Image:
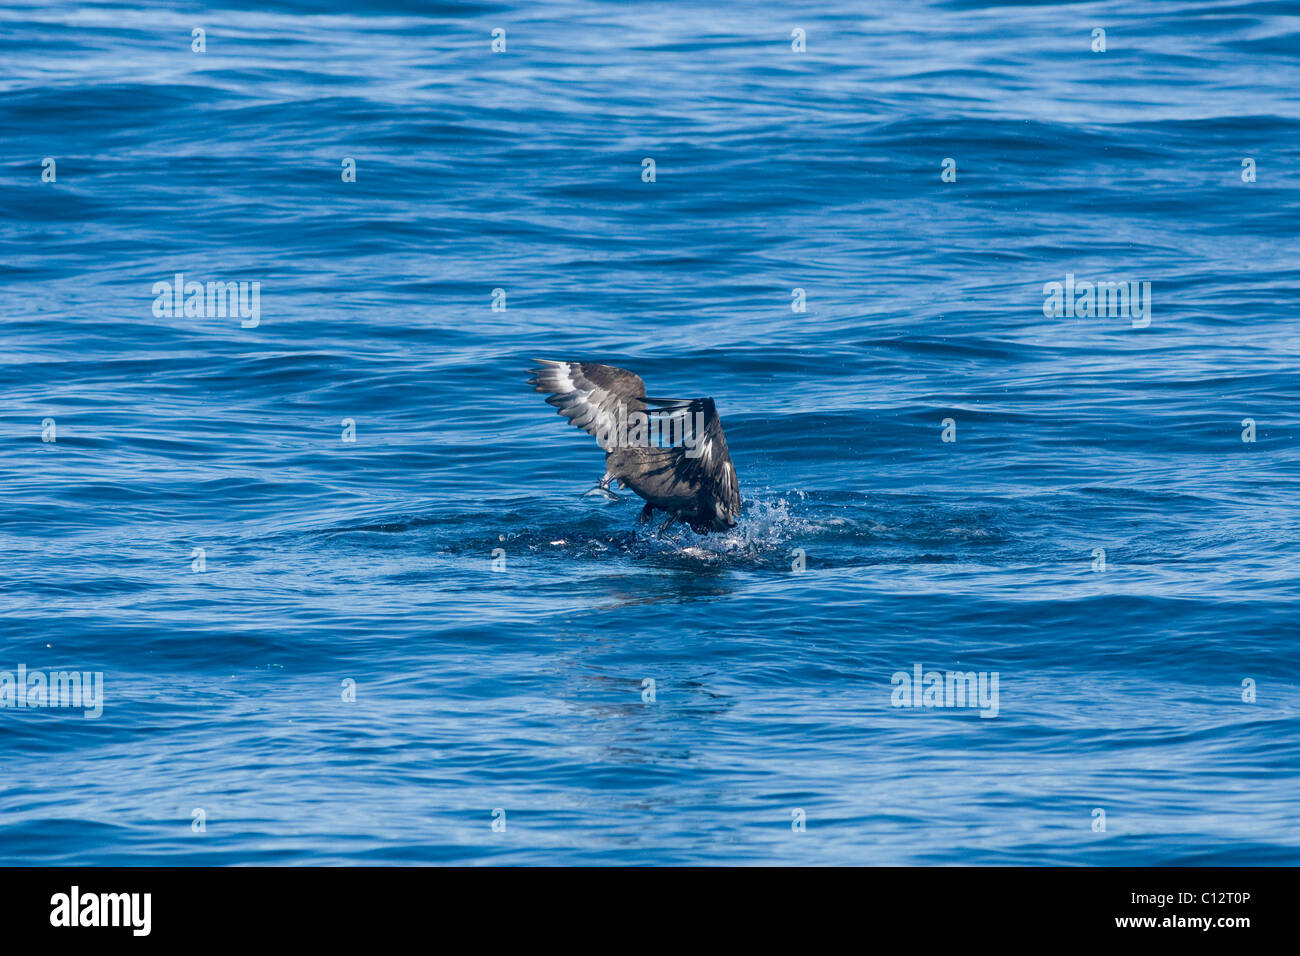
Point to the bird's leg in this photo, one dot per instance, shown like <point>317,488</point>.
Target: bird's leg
<point>646,513</point>
<point>664,527</point>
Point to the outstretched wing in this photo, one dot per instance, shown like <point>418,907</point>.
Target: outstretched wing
<point>589,395</point>
<point>701,464</point>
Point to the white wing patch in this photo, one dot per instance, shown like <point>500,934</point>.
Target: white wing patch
<point>590,396</point>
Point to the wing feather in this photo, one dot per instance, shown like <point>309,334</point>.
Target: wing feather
<point>707,469</point>
<point>589,395</point>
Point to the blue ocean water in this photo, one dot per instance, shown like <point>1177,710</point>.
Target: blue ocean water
<point>1100,534</point>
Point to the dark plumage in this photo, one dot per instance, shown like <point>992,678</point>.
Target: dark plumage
<point>688,473</point>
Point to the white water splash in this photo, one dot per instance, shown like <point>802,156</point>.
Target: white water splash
<point>767,524</point>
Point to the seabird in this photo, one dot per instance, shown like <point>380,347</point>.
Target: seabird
<point>693,482</point>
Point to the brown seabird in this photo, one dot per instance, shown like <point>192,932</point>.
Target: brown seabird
<point>669,451</point>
